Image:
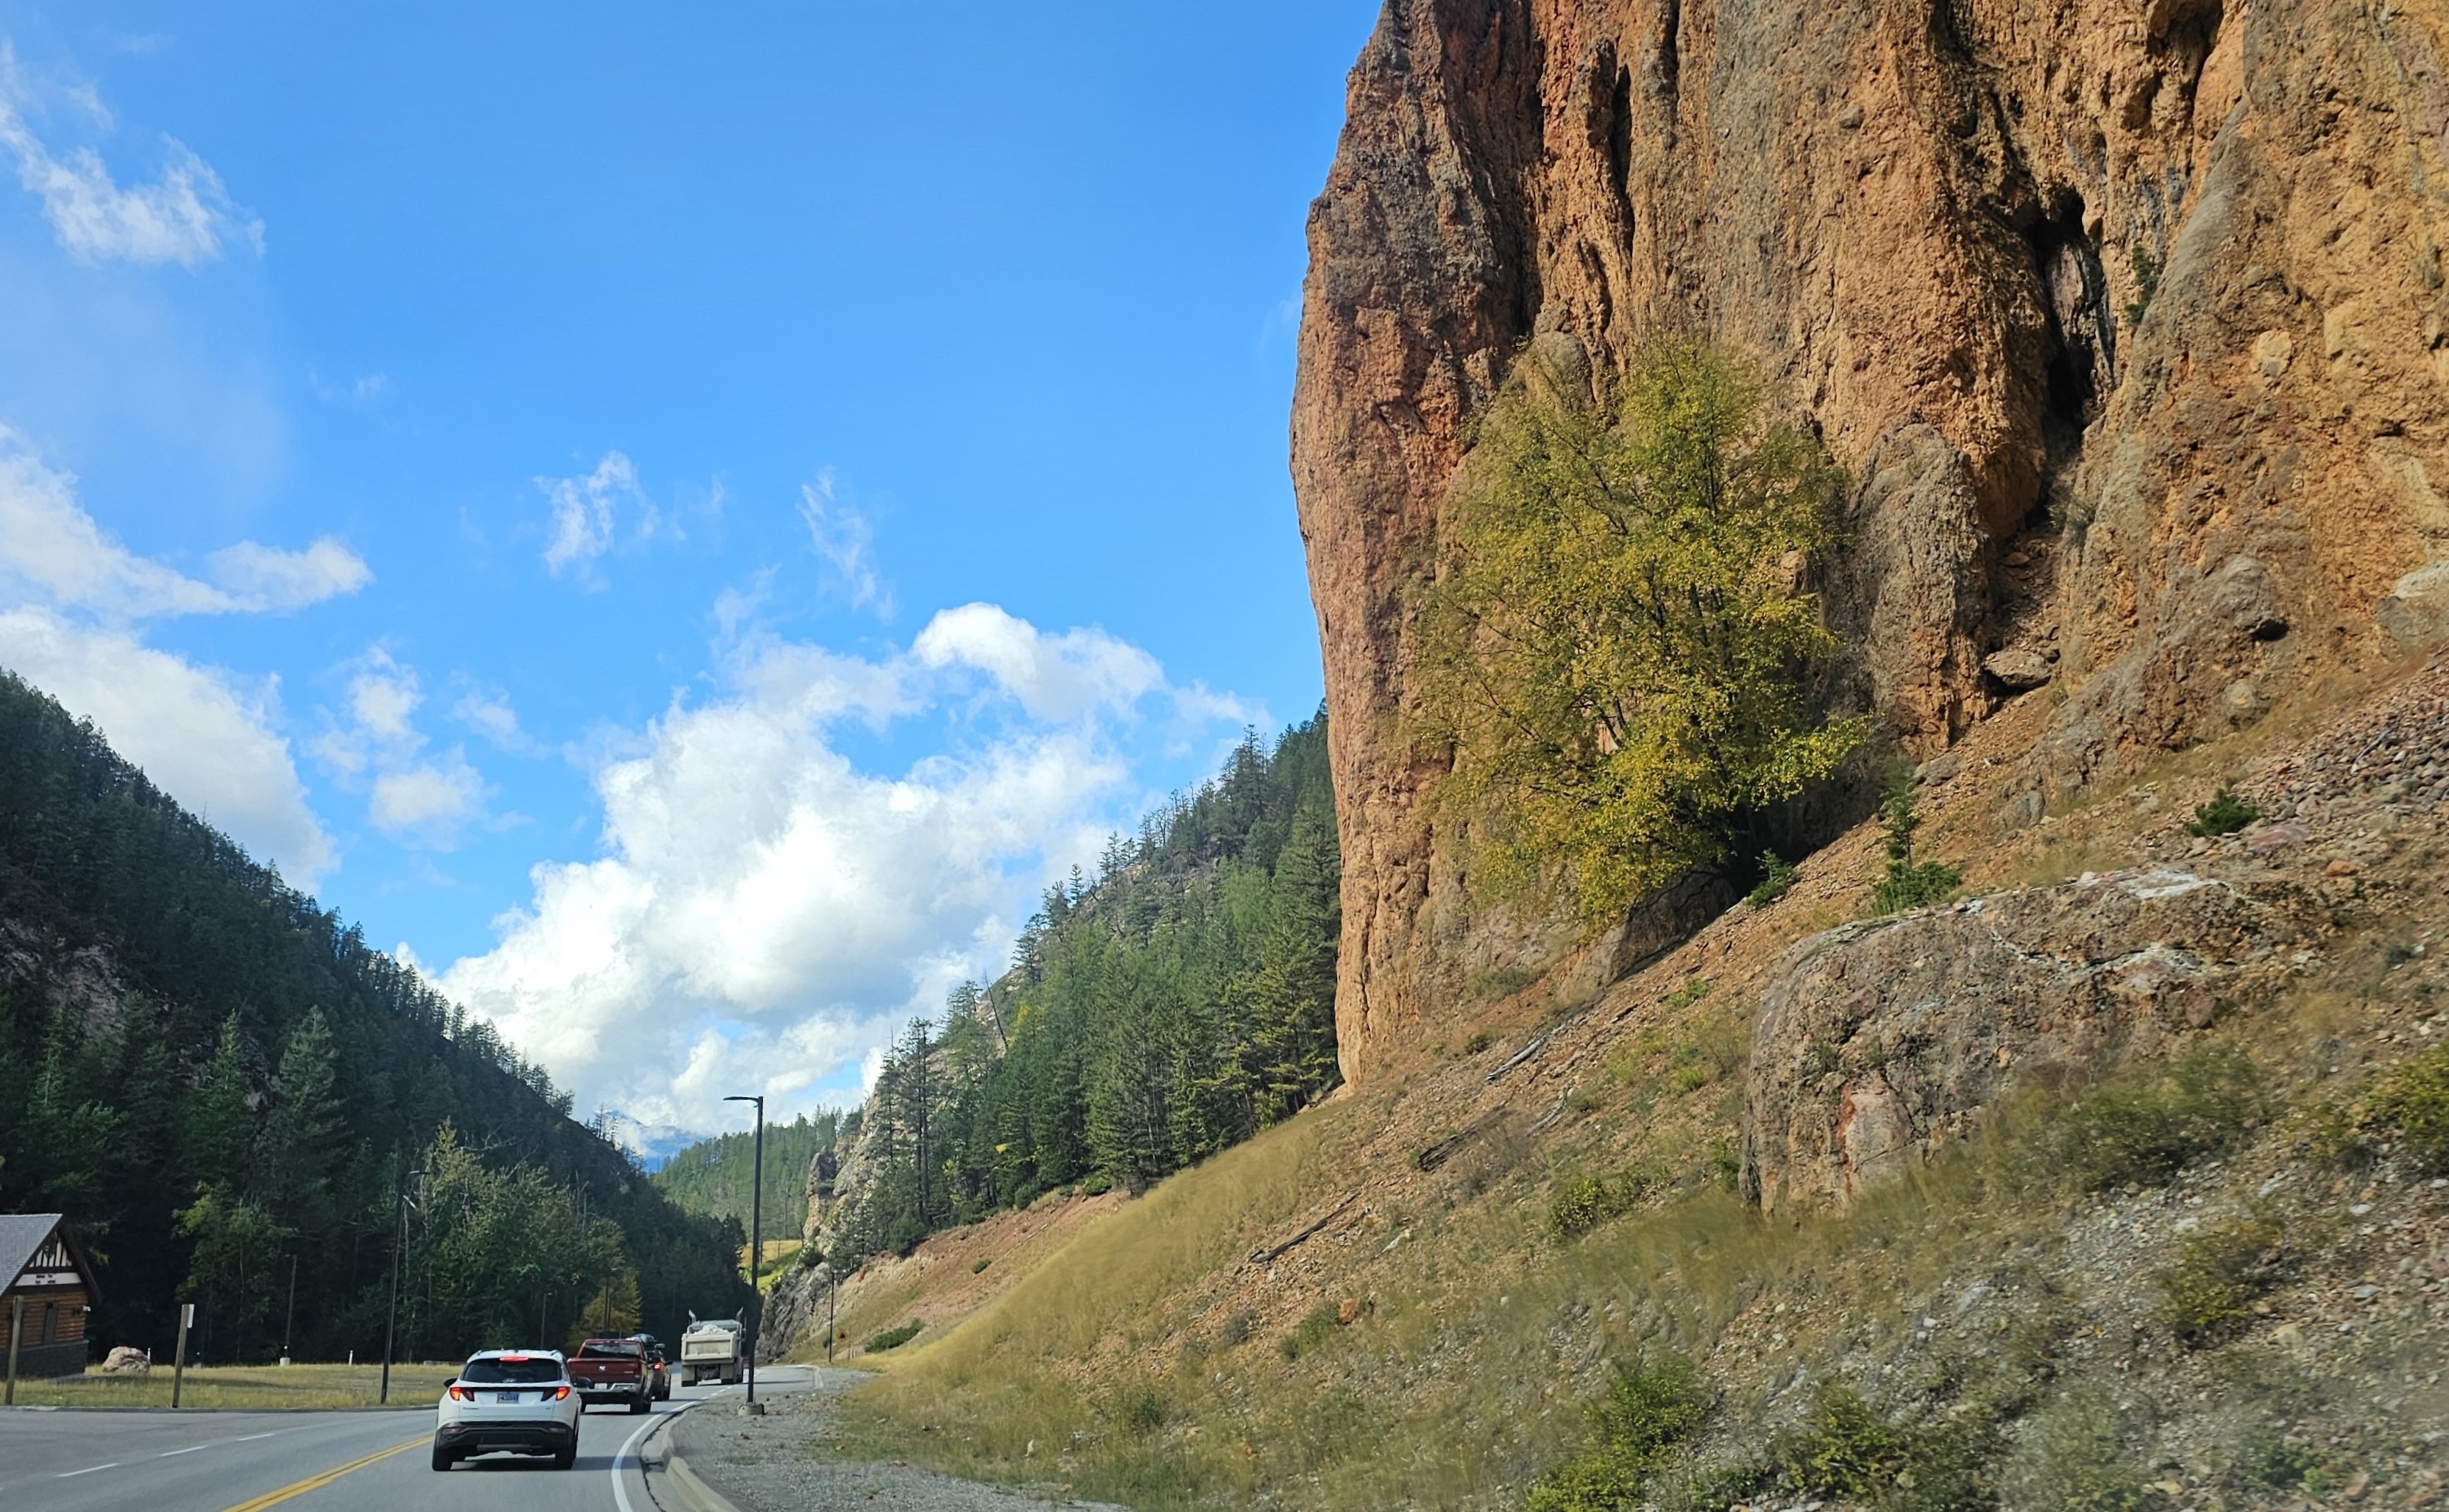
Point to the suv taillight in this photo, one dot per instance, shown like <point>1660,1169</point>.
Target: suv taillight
<point>562,1395</point>
<point>462,1393</point>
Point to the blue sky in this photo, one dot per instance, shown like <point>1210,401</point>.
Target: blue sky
<point>681,517</point>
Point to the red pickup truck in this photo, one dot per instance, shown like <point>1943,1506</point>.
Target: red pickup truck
<point>613,1370</point>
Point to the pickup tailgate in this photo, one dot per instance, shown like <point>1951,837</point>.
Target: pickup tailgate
<point>605,1374</point>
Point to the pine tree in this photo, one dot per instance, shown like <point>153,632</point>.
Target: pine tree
<point>219,1136</point>
<point>299,1146</point>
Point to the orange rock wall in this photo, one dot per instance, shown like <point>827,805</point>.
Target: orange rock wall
<point>2125,315</point>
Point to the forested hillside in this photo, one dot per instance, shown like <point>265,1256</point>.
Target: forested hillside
<point>1176,1005</point>
<point>217,1081</point>
<point>712,1176</point>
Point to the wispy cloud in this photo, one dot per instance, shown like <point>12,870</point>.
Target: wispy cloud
<point>358,392</point>
<point>416,795</point>
<point>184,216</point>
<point>845,538</point>
<point>600,512</point>
<point>488,713</point>
<point>53,552</point>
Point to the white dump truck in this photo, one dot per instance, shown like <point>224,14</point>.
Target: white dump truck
<point>714,1350</point>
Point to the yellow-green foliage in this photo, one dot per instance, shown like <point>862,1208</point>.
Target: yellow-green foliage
<point>1652,1406</point>
<point>2218,1276</point>
<point>2147,1127</point>
<point>2413,1104</point>
<point>2069,1458</point>
<point>1621,643</point>
<point>1846,1450</point>
<point>1584,1202</point>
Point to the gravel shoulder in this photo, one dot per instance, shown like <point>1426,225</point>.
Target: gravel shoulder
<point>781,1463</point>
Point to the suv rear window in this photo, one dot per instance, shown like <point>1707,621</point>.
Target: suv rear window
<point>611,1349</point>
<point>511,1372</point>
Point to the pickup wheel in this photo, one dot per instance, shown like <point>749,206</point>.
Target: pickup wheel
<point>637,1403</point>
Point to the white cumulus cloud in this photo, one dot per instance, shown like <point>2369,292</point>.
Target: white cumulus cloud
<point>763,910</point>
<point>69,593</point>
<point>184,216</point>
<point>1056,677</point>
<point>207,739</point>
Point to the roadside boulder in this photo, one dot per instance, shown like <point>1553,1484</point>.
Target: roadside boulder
<point>1878,1043</point>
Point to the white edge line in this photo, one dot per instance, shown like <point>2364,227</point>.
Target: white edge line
<point>655,1421</point>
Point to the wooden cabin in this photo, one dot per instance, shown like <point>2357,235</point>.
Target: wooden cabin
<point>49,1272</point>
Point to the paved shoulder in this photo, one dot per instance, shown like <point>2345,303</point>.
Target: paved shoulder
<point>766,1464</point>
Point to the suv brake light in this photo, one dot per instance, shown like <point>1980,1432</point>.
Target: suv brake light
<point>461,1393</point>
<point>562,1395</point>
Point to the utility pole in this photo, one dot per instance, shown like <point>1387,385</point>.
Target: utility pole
<point>399,1243</point>
<point>289,1324</point>
<point>179,1356</point>
<point>756,1242</point>
<point>16,1331</point>
<point>918,1029</point>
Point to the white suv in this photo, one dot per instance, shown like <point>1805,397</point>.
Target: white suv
<point>519,1400</point>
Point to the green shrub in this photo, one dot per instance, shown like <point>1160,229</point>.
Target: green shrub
<point>2285,1466</point>
<point>2145,1132</point>
<point>2208,1295</point>
<point>2224,814</point>
<point>1097,1185</point>
<point>1478,1042</point>
<point>1653,1406</point>
<point>2411,1104</point>
<point>1907,884</point>
<point>2071,1459</point>
<point>1142,1411</point>
<point>1845,1449</point>
<point>891,1338</point>
<point>1777,879</point>
<point>1236,1328</point>
<point>1584,1202</point>
<point>978,1268</point>
<point>1311,1332</point>
<point>2146,284</point>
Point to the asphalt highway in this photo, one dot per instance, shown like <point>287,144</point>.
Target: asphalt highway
<point>70,1461</point>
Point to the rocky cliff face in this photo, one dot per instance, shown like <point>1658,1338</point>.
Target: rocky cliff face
<point>2126,318</point>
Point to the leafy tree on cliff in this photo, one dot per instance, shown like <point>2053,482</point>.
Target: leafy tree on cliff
<point>1621,646</point>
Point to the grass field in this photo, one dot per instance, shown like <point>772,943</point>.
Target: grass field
<point>253,1387</point>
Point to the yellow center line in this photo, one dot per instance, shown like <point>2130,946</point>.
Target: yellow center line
<point>315,1482</point>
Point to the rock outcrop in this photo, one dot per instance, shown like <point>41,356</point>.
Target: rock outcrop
<point>2152,287</point>
<point>1877,1044</point>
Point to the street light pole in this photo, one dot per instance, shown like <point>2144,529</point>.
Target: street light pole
<point>756,1242</point>
<point>399,1242</point>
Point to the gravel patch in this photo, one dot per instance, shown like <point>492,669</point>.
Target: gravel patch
<point>777,1462</point>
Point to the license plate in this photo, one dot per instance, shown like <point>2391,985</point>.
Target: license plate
<point>506,1396</point>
